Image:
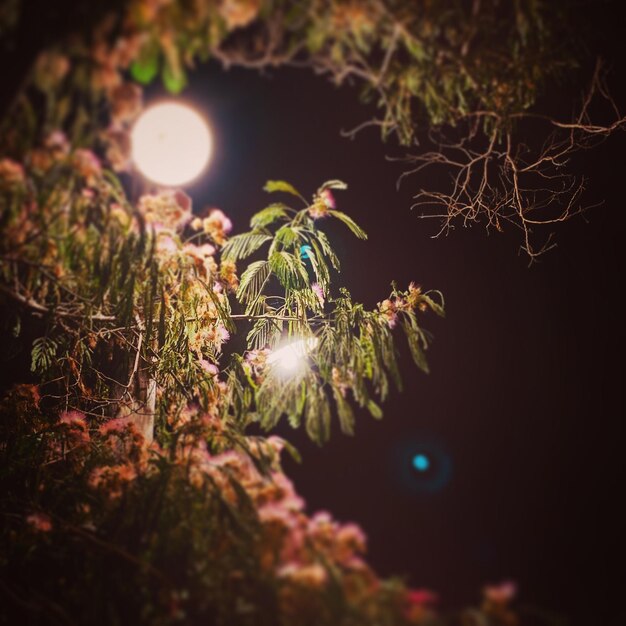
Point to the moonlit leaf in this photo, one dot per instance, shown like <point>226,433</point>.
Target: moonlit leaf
<point>272,186</point>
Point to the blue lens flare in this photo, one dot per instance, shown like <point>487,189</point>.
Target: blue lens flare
<point>421,462</point>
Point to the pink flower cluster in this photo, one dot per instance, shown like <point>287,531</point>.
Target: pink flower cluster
<point>216,225</point>
<point>11,174</point>
<point>255,363</point>
<point>74,424</point>
<point>322,203</point>
<point>167,210</point>
<point>292,546</point>
<point>406,301</point>
<point>39,522</point>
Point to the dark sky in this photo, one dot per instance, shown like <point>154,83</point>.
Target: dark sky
<point>526,396</point>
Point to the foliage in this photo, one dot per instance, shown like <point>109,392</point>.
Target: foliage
<point>457,83</point>
<point>128,446</point>
<point>131,294</point>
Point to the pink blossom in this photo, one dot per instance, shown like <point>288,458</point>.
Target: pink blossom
<point>287,495</point>
<point>501,593</point>
<point>113,477</point>
<point>238,14</point>
<point>118,147</point>
<point>319,292</point>
<point>87,164</point>
<point>277,444</point>
<point>40,522</point>
<point>313,575</point>
<point>209,368</point>
<point>168,208</point>
<point>216,226</point>
<point>322,528</point>
<point>57,141</point>
<point>422,597</point>
<point>389,311</point>
<point>199,251</point>
<point>166,244</point>
<point>50,68</point>
<point>218,216</point>
<point>223,334</point>
<point>321,518</point>
<point>11,172</point>
<point>73,418</point>
<point>318,210</point>
<point>229,458</point>
<point>126,102</point>
<point>353,535</point>
<point>275,512</point>
<point>328,199</point>
<point>116,425</point>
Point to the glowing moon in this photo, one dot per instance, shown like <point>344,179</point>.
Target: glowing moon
<point>171,143</point>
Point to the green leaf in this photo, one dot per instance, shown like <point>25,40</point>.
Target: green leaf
<point>322,275</point>
<point>345,413</point>
<point>280,185</point>
<point>375,411</point>
<point>287,236</point>
<point>242,246</point>
<point>264,333</point>
<point>417,344</point>
<point>327,249</point>
<point>223,309</point>
<point>145,68</point>
<point>435,306</point>
<point>43,354</point>
<point>289,270</point>
<point>333,184</point>
<point>414,46</point>
<point>292,451</point>
<point>253,280</point>
<point>173,76</point>
<point>316,38</point>
<point>268,215</point>
<point>350,223</point>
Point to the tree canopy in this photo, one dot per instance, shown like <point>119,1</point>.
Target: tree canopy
<point>138,443</point>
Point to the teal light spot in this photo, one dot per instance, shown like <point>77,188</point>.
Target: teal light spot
<point>305,252</point>
<point>421,462</point>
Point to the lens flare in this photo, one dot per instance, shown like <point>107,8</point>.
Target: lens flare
<point>421,462</point>
<point>171,143</point>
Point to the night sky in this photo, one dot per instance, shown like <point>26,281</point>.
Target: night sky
<point>522,416</point>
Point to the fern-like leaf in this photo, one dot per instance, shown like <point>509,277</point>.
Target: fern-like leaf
<point>350,223</point>
<point>242,246</point>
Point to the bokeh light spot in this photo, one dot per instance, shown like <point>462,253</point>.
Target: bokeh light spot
<point>291,359</point>
<point>305,252</point>
<point>421,462</point>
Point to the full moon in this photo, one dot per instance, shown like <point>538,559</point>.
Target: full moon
<point>171,143</point>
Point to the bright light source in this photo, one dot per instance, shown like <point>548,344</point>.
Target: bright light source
<point>171,143</point>
<point>291,359</point>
